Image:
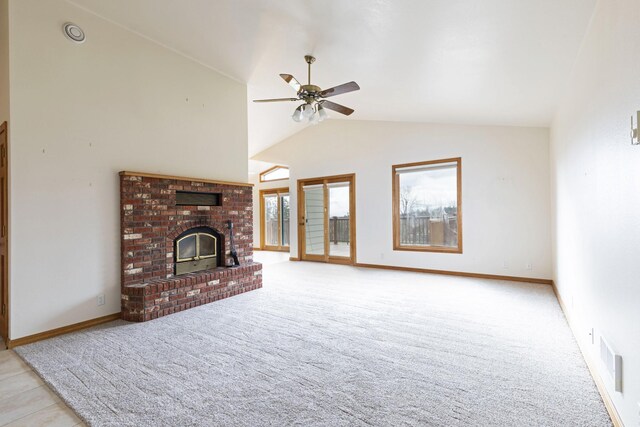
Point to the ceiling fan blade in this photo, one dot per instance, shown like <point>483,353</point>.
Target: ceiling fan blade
<point>337,107</point>
<point>276,100</point>
<point>337,90</point>
<point>292,81</point>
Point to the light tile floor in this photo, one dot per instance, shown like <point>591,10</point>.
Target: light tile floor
<point>26,401</point>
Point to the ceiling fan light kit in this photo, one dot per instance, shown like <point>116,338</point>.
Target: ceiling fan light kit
<point>307,111</point>
<point>322,114</point>
<point>313,109</point>
<point>297,114</point>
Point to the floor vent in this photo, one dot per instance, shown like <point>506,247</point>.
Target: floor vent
<point>612,363</point>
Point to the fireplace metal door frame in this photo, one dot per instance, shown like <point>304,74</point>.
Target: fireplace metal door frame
<point>198,262</point>
<point>324,182</point>
<point>4,234</point>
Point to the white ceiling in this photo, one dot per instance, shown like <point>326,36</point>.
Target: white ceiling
<point>500,62</point>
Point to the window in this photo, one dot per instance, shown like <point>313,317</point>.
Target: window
<point>427,206</point>
<point>274,174</point>
<point>274,219</point>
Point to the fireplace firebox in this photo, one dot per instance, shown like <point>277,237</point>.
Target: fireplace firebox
<point>198,249</point>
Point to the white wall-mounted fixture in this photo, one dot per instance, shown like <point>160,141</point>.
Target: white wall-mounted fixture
<point>612,363</point>
<point>635,133</point>
<point>73,32</point>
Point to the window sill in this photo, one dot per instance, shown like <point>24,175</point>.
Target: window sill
<point>439,249</point>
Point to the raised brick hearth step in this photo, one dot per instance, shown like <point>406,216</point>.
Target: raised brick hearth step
<point>146,301</point>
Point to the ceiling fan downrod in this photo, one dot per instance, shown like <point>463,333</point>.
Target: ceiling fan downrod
<point>310,60</point>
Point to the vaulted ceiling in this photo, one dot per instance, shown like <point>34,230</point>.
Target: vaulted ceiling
<point>498,62</point>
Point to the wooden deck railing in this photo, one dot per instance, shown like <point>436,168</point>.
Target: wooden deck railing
<point>339,230</point>
<point>414,230</point>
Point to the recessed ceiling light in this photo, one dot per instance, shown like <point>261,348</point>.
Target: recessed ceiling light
<point>73,32</point>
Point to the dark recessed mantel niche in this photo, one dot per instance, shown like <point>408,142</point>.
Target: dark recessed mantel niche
<point>176,246</point>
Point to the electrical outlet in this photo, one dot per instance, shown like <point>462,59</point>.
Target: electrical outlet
<point>381,255</point>
<point>593,340</point>
<point>528,266</point>
<point>505,265</point>
<point>100,299</point>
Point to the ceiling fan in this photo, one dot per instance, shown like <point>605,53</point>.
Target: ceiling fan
<point>313,96</point>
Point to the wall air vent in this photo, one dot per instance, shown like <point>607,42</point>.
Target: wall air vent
<point>612,363</point>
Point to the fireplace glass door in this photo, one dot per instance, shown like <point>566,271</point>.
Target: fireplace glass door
<point>196,252</point>
<point>196,246</point>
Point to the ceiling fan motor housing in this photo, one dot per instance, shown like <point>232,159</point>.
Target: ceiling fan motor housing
<point>309,93</point>
<point>310,89</point>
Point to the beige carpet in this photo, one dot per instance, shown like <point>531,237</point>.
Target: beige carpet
<point>334,346</point>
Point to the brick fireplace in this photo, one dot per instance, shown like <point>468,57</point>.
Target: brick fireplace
<point>176,243</point>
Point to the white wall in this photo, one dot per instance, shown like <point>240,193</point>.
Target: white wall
<point>80,114</point>
<point>505,188</point>
<point>596,197</point>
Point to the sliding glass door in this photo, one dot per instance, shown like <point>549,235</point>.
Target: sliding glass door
<point>327,219</point>
<point>274,219</point>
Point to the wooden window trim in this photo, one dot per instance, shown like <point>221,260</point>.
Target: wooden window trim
<point>271,169</point>
<point>396,208</point>
<point>277,191</point>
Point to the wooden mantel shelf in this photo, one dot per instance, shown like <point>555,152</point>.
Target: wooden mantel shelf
<point>183,178</point>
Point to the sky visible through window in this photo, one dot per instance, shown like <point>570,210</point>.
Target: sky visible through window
<point>425,190</point>
<point>279,173</point>
<point>339,201</point>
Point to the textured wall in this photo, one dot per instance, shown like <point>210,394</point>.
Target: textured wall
<point>596,197</point>
<point>80,114</point>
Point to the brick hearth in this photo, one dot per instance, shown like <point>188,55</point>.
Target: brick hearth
<point>151,221</point>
